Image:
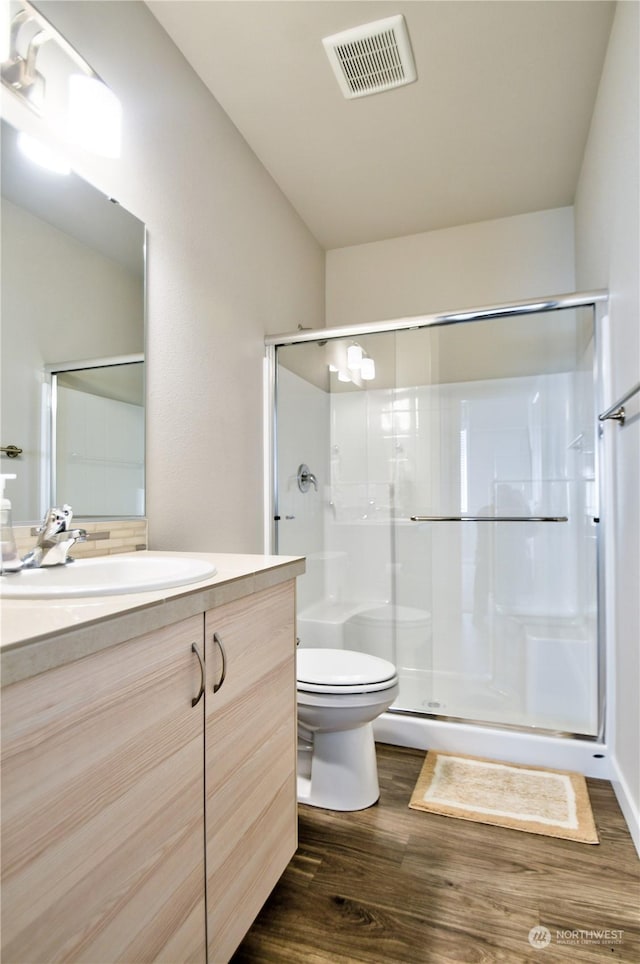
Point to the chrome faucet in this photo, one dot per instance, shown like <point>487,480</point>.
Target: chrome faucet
<point>55,539</point>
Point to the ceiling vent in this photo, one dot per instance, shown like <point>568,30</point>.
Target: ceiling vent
<point>372,58</point>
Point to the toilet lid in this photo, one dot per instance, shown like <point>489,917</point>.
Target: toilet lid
<point>337,668</point>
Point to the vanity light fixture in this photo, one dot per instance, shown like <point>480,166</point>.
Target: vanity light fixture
<point>48,75</point>
<point>5,33</point>
<point>351,363</point>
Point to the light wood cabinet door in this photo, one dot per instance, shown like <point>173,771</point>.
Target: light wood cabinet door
<point>250,760</point>
<point>103,807</point>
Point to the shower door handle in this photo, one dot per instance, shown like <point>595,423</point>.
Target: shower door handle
<point>489,518</point>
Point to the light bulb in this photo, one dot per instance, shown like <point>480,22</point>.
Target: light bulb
<point>344,376</point>
<point>368,369</point>
<point>95,116</point>
<point>354,357</point>
<point>42,155</point>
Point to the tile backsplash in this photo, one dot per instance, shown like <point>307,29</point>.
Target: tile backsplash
<point>110,537</point>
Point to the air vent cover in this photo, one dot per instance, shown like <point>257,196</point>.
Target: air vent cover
<point>372,58</point>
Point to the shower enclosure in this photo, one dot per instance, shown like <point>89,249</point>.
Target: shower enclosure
<point>451,520</point>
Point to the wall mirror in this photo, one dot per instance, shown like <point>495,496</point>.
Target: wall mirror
<point>73,297</point>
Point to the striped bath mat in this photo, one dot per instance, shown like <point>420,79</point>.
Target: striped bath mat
<point>550,802</point>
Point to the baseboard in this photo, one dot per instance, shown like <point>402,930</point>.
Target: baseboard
<point>625,799</point>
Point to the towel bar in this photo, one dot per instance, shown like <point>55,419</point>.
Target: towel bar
<point>616,411</point>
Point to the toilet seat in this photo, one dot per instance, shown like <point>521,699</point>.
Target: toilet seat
<point>339,671</point>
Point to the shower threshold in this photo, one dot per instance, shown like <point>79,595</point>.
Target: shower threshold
<point>581,754</point>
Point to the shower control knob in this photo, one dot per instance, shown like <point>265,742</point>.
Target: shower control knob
<point>305,478</point>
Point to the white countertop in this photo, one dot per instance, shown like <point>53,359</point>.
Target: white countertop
<point>31,627</point>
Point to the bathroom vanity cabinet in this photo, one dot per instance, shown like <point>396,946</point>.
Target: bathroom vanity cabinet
<point>102,806</point>
<point>250,760</point>
<point>117,792</point>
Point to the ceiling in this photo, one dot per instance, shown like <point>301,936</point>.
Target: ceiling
<point>495,125</point>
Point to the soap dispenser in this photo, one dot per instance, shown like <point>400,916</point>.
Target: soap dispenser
<point>10,561</point>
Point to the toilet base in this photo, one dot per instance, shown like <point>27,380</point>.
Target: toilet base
<point>344,770</point>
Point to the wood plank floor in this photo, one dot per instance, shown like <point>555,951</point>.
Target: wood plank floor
<point>390,884</point>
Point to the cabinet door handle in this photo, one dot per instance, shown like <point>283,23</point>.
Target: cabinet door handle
<point>218,642</point>
<point>196,699</point>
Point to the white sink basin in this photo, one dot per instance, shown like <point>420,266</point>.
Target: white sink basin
<point>106,576</point>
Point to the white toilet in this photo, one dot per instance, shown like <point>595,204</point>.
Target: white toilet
<point>340,693</point>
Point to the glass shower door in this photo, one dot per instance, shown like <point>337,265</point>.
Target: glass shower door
<point>450,526</point>
<point>494,429</point>
<point>336,422</point>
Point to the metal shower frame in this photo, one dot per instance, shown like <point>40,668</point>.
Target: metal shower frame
<point>596,299</point>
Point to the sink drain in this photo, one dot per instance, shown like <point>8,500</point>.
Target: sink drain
<point>433,704</point>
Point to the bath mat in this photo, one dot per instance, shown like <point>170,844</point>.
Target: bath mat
<point>550,802</point>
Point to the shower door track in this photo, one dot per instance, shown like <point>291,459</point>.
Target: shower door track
<point>552,303</point>
<point>500,727</point>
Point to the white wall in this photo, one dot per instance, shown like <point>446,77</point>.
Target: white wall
<point>607,255</point>
<point>229,260</point>
<point>51,284</point>
<point>476,264</point>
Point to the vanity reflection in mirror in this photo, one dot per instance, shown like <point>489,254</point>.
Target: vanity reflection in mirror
<point>72,298</point>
